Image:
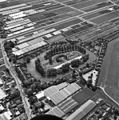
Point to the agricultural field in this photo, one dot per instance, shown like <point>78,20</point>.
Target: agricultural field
<point>62,54</point>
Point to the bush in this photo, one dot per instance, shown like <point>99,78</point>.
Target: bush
<point>65,68</point>
<point>75,63</point>
<point>51,72</point>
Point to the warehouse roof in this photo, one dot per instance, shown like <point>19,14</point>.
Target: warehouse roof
<point>82,111</point>
<point>29,48</point>
<point>62,85</point>
<point>56,111</point>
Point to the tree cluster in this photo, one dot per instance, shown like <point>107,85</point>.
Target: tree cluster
<point>62,49</point>
<point>39,68</point>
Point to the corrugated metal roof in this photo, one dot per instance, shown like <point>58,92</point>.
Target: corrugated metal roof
<point>82,111</point>
<point>50,91</point>
<point>75,86</point>
<point>57,32</point>
<point>40,33</point>
<point>57,98</point>
<point>19,52</point>
<point>14,21</point>
<point>23,45</point>
<point>56,111</point>
<point>48,35</point>
<point>70,89</point>
<point>62,85</point>
<point>67,105</point>
<point>64,93</point>
<point>50,112</point>
<point>25,50</point>
<point>29,48</point>
<point>70,107</point>
<point>21,37</point>
<point>67,91</point>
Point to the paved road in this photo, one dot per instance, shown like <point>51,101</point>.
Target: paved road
<point>13,73</point>
<point>103,89</point>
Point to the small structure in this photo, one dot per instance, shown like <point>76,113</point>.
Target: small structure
<point>2,94</point>
<point>6,116</point>
<point>93,74</point>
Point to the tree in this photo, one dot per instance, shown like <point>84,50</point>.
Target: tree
<point>65,68</point>
<point>85,58</point>
<point>116,112</point>
<point>71,80</point>
<point>38,86</point>
<point>12,58</point>
<point>39,68</point>
<point>75,63</point>
<point>74,74</point>
<point>14,93</point>
<point>29,92</point>
<point>58,81</point>
<point>34,87</point>
<point>42,105</point>
<point>32,99</point>
<point>64,79</point>
<point>38,105</point>
<point>82,81</point>
<point>94,88</point>
<point>50,61</point>
<point>8,45</point>
<point>82,50</point>
<point>89,82</point>
<point>7,70</point>
<point>28,59</point>
<point>44,85</point>
<point>51,72</point>
<point>26,83</point>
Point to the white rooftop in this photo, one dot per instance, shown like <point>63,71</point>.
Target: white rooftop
<point>94,78</point>
<point>59,66</point>
<point>2,94</point>
<point>40,95</point>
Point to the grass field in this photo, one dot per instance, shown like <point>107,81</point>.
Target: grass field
<point>106,17</point>
<point>109,76</point>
